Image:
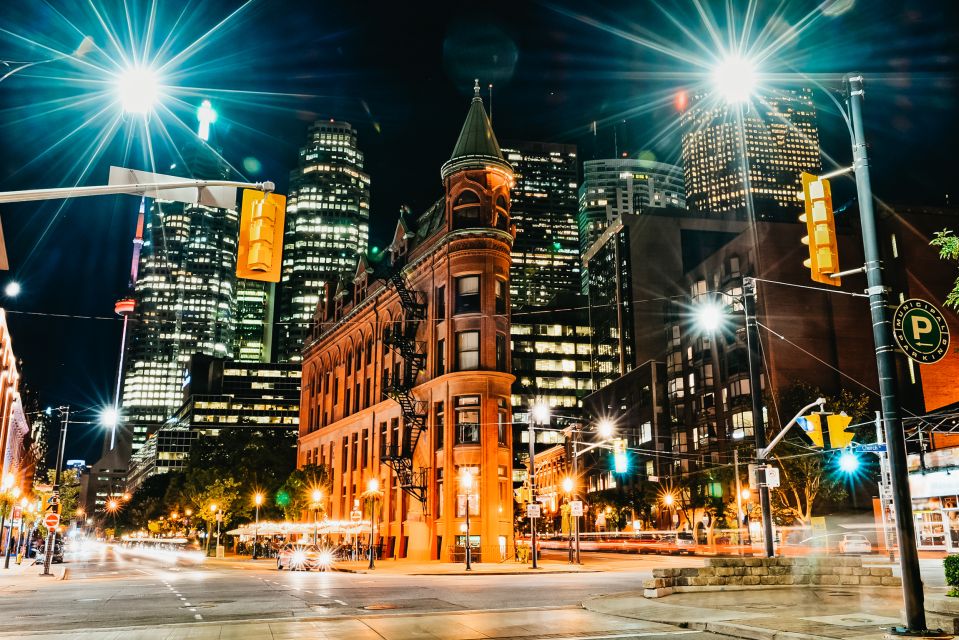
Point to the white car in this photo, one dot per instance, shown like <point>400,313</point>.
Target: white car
<point>854,543</point>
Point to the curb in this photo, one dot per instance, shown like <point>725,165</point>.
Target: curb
<point>539,572</point>
<point>735,630</point>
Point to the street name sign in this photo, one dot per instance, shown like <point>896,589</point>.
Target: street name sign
<point>52,519</point>
<point>921,331</point>
<point>872,447</point>
<point>576,508</point>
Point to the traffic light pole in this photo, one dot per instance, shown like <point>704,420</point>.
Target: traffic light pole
<point>756,393</point>
<point>886,365</point>
<point>51,542</point>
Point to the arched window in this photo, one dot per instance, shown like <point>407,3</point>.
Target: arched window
<point>502,216</point>
<point>466,210</point>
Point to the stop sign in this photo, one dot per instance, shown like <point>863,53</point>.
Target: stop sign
<point>52,519</point>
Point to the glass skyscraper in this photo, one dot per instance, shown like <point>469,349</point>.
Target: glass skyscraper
<point>781,141</point>
<point>185,300</point>
<point>327,227</point>
<point>615,186</point>
<point>545,259</point>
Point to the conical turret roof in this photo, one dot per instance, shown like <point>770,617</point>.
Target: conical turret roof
<point>476,146</point>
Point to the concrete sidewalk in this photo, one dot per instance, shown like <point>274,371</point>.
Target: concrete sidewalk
<point>461,625</point>
<point>27,570</point>
<point>784,613</point>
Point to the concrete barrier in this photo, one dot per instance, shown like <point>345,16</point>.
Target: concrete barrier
<point>722,574</point>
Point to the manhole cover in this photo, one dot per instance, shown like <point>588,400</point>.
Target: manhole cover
<point>379,606</point>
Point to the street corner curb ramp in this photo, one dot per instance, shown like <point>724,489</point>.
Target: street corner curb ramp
<point>722,574</point>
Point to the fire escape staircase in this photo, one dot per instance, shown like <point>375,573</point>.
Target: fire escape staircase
<point>402,339</point>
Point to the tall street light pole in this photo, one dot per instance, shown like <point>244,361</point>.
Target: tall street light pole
<point>61,445</point>
<point>539,413</point>
<point>886,364</point>
<point>317,496</point>
<point>257,501</point>
<point>372,487</point>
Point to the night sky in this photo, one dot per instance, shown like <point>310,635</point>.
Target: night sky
<point>402,74</point>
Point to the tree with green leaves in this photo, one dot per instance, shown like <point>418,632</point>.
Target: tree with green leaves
<point>147,503</point>
<point>69,491</point>
<point>806,481</point>
<point>699,496</point>
<point>948,244</point>
<point>294,497</point>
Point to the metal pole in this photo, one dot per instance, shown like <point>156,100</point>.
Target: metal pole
<point>884,490</point>
<point>314,526</point>
<point>756,392</point>
<point>886,365</point>
<point>372,510</point>
<point>532,486</point>
<point>6,554</point>
<point>575,436</point>
<point>256,531</point>
<point>468,566</point>
<point>739,499</point>
<point>51,542</point>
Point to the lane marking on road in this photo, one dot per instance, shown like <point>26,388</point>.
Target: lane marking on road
<point>188,605</point>
<point>340,602</point>
<point>197,616</point>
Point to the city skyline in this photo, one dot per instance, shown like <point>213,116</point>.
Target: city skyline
<point>510,109</point>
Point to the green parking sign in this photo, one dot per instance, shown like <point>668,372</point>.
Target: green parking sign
<point>921,331</point>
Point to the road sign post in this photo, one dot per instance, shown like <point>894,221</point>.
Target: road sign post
<point>51,520</point>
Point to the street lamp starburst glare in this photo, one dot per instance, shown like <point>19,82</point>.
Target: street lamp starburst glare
<point>138,89</point>
<point>12,290</point>
<point>709,316</point>
<point>735,78</point>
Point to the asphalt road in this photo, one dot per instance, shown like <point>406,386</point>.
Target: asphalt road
<point>109,589</point>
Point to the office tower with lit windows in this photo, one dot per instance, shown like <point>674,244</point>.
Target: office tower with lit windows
<point>618,186</point>
<point>185,300</point>
<point>545,259</point>
<point>254,320</point>
<point>327,227</point>
<point>781,141</point>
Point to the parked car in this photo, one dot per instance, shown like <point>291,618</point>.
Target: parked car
<point>57,555</point>
<point>302,557</point>
<point>854,543</point>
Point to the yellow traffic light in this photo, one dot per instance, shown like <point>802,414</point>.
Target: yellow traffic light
<point>821,228</point>
<point>812,426</point>
<point>839,438</point>
<point>260,247</point>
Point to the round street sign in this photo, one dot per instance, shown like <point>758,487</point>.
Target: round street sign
<point>921,331</point>
<point>52,519</point>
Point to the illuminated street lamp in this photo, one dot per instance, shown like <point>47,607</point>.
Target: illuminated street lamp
<point>539,414</point>
<point>668,500</point>
<point>573,523</point>
<point>10,495</point>
<point>138,89</point>
<point>372,493</point>
<point>12,290</point>
<point>735,78</point>
<point>605,428</point>
<point>257,501</point>
<point>316,496</point>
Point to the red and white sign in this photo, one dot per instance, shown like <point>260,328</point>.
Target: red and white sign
<point>52,519</point>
